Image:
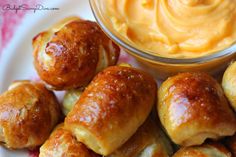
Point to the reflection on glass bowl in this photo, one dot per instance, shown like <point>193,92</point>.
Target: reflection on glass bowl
<point>159,66</point>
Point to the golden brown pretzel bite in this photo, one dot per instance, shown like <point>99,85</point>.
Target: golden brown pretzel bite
<point>69,54</point>
<point>192,107</point>
<point>61,143</point>
<point>229,84</point>
<point>28,113</point>
<point>112,107</point>
<point>205,150</point>
<point>148,141</point>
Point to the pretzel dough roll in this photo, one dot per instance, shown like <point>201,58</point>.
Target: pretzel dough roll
<point>229,84</point>
<point>70,98</point>
<point>148,141</point>
<point>112,107</point>
<point>28,113</point>
<point>61,143</point>
<point>192,107</point>
<point>70,53</point>
<point>206,150</point>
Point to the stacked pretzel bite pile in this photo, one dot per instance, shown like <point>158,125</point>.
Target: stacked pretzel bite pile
<point>114,110</point>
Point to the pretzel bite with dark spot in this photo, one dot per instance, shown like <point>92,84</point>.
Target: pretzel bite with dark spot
<point>61,143</point>
<point>110,110</point>
<point>192,107</point>
<point>205,150</point>
<point>70,53</point>
<point>28,113</point>
<point>231,144</point>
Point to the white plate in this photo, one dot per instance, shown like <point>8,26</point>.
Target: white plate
<point>16,61</point>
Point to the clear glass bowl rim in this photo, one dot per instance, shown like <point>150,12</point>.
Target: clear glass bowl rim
<point>154,58</point>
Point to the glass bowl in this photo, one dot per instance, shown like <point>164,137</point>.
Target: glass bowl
<point>162,67</point>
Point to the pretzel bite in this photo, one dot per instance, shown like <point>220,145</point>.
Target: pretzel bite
<point>70,53</point>
<point>28,113</point>
<point>206,150</point>
<point>112,107</point>
<point>192,107</point>
<point>70,98</point>
<point>231,144</point>
<point>73,95</point>
<point>229,84</point>
<point>148,141</point>
<point>61,143</point>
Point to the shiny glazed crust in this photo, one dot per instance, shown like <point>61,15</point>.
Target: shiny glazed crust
<point>69,54</point>
<point>61,143</point>
<point>148,141</point>
<point>229,84</point>
<point>192,107</point>
<point>206,150</point>
<point>111,108</point>
<point>28,113</point>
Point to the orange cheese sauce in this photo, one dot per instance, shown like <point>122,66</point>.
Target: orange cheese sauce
<point>175,28</point>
